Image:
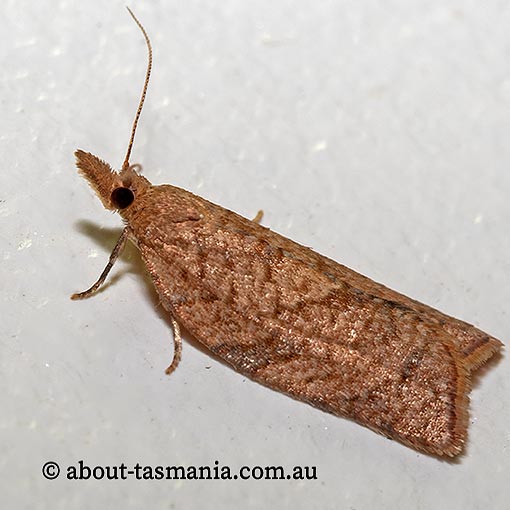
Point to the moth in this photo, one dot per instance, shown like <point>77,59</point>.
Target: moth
<point>290,318</point>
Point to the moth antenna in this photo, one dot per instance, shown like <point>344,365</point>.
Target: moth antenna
<point>125,165</point>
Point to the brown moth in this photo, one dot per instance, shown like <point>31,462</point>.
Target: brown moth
<point>292,319</point>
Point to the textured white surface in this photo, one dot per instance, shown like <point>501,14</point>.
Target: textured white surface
<point>375,132</point>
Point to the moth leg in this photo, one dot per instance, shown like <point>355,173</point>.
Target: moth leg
<point>258,216</point>
<point>113,257</point>
<point>177,347</point>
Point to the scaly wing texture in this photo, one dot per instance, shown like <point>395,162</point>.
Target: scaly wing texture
<point>304,325</point>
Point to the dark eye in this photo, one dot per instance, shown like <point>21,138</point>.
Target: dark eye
<point>122,197</point>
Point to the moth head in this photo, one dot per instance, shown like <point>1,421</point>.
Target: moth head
<point>116,190</point>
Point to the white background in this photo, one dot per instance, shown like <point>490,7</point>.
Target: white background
<point>375,132</point>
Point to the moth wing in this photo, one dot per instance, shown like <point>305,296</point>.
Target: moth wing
<point>254,300</point>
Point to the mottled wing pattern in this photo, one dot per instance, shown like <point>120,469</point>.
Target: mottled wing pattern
<point>304,325</point>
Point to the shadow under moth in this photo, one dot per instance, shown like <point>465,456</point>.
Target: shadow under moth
<point>292,319</point>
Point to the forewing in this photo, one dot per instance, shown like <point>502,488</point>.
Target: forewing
<point>255,300</point>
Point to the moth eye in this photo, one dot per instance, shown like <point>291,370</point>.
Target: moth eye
<point>122,197</point>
